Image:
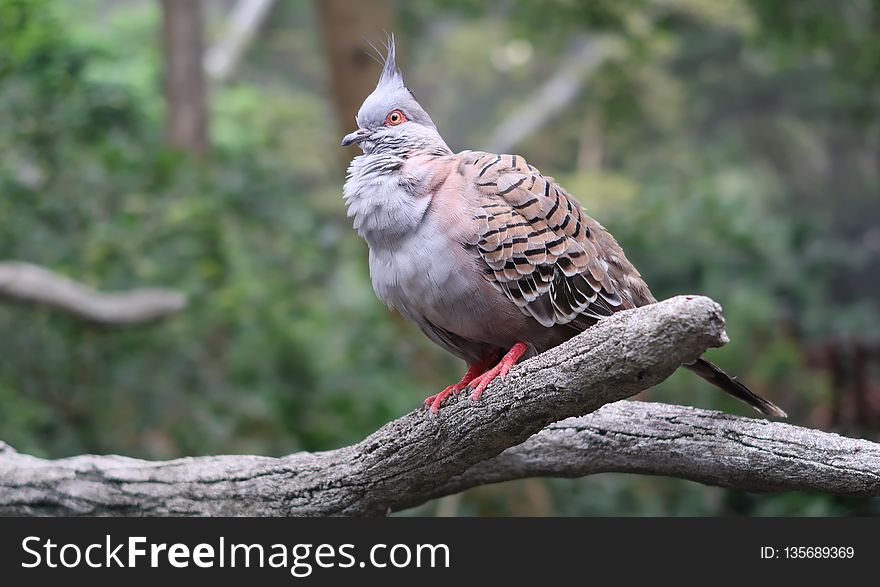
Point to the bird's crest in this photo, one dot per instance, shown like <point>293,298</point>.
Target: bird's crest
<point>391,76</point>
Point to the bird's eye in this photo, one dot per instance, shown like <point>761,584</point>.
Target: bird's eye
<point>394,118</point>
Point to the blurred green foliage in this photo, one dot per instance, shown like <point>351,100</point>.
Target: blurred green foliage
<point>258,362</point>
<point>732,138</point>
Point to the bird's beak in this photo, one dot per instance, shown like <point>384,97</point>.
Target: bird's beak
<point>356,136</point>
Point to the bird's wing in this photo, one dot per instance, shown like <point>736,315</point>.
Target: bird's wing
<point>537,245</point>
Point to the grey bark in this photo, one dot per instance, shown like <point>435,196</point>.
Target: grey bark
<point>29,283</point>
<point>416,458</point>
<point>710,447</point>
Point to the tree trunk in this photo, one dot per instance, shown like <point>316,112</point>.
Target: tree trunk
<point>184,75</point>
<point>346,28</point>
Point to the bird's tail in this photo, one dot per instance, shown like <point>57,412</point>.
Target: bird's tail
<point>714,375</point>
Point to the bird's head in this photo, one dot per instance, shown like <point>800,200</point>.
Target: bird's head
<point>391,120</point>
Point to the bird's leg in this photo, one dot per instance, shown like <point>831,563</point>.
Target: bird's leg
<point>480,383</point>
<point>474,369</point>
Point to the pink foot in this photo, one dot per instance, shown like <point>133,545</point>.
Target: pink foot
<point>480,383</point>
<point>474,369</point>
<point>435,400</point>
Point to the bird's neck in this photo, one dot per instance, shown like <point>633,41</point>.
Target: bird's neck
<point>422,140</point>
<point>433,145</point>
<point>385,199</point>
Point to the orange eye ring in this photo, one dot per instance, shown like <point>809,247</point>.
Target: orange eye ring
<point>395,117</point>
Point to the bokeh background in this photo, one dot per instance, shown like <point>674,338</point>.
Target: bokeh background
<point>733,147</point>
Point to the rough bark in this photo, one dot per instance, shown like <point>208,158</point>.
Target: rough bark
<point>185,95</point>
<point>28,283</point>
<point>416,458</point>
<point>710,447</point>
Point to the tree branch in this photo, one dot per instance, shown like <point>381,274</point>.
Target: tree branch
<point>34,284</point>
<point>416,458</point>
<point>689,443</point>
<point>245,20</point>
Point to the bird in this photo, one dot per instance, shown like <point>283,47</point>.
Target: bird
<point>494,261</point>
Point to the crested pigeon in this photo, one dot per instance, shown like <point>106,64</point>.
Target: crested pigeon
<point>493,260</point>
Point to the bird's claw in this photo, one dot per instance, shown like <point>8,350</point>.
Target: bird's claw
<point>433,401</point>
<point>477,384</point>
